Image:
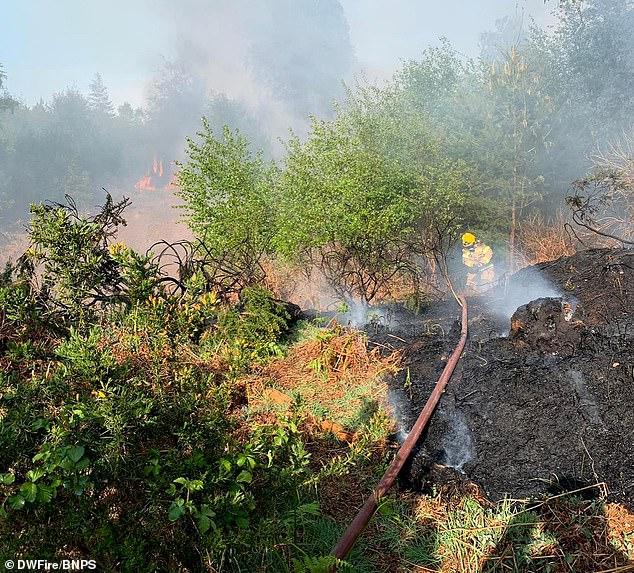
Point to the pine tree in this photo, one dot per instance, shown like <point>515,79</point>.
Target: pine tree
<point>6,101</point>
<point>98,98</point>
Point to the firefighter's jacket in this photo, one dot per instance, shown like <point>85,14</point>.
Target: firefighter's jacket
<point>477,258</point>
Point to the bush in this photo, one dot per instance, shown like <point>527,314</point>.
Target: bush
<point>354,201</point>
<point>126,430</point>
<point>229,205</point>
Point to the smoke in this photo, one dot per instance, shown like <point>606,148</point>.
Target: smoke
<point>457,441</point>
<point>587,404</point>
<point>523,287</point>
<point>400,405</point>
<point>277,60</point>
<point>359,314</point>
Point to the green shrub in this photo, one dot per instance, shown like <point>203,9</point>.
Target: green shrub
<point>229,205</point>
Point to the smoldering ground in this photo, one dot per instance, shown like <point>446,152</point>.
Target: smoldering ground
<point>544,406</point>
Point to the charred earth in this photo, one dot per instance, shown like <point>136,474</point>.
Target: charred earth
<point>543,398</point>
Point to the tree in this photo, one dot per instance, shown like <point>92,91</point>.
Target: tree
<point>227,191</point>
<point>69,265</point>
<point>603,202</point>
<point>6,101</point>
<point>586,67</point>
<point>518,128</point>
<point>597,46</point>
<point>509,33</point>
<point>492,115</point>
<point>352,204</point>
<point>98,97</point>
<point>221,110</point>
<point>176,104</point>
<point>303,53</point>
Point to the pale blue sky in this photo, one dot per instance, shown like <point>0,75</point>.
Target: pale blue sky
<point>46,45</point>
<point>385,31</point>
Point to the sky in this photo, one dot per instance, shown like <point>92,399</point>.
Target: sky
<point>48,45</point>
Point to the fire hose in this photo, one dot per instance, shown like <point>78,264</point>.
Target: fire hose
<point>362,518</point>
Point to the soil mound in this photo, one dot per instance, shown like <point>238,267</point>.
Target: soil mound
<point>543,398</point>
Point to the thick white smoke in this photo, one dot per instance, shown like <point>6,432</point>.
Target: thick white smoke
<point>284,60</point>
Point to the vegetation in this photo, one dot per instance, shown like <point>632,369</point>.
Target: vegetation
<point>377,196</point>
<point>164,411</point>
<point>229,205</point>
<point>77,144</point>
<point>122,418</point>
<point>160,430</point>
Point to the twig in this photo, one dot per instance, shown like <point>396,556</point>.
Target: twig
<point>397,338</point>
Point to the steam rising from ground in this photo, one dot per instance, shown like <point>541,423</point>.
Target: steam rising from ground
<point>527,285</point>
<point>457,442</point>
<point>400,405</point>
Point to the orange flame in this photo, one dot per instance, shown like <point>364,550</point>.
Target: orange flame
<point>146,183</point>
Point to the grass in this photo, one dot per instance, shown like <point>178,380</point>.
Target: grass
<point>468,535</point>
<point>544,241</point>
<point>328,374</point>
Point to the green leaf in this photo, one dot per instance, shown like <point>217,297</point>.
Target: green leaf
<point>75,453</point>
<point>34,475</point>
<point>195,485</point>
<point>79,486</point>
<point>177,509</point>
<point>41,456</point>
<point>206,510</point>
<point>28,491</point>
<point>244,477</point>
<point>82,464</point>
<point>204,523</point>
<point>39,424</point>
<point>242,522</point>
<point>16,502</point>
<point>225,466</point>
<point>7,479</point>
<point>44,493</point>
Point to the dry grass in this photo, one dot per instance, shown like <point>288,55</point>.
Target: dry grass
<point>544,241</point>
<point>333,375</point>
<point>620,522</point>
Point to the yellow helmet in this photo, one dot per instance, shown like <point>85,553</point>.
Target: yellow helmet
<point>468,239</point>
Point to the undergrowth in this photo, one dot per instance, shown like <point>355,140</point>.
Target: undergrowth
<point>125,421</point>
<point>157,429</point>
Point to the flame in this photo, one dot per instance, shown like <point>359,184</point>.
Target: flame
<point>157,167</point>
<point>147,182</point>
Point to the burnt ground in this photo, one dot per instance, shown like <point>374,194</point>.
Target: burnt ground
<point>540,402</point>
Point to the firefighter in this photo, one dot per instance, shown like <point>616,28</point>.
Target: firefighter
<point>477,256</point>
